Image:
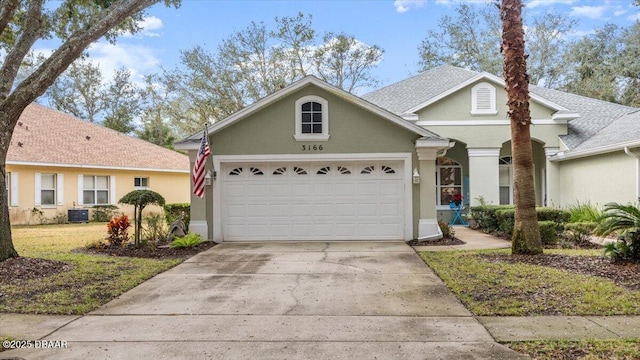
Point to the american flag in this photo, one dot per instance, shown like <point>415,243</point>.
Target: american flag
<point>199,167</point>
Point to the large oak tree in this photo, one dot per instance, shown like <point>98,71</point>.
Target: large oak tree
<point>76,24</point>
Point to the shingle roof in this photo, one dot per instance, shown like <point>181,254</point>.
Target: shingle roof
<point>44,135</point>
<point>405,94</point>
<point>622,130</point>
<point>595,115</point>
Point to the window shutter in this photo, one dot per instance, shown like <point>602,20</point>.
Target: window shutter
<point>112,190</point>
<point>80,189</point>
<point>60,184</point>
<point>38,193</point>
<point>14,189</point>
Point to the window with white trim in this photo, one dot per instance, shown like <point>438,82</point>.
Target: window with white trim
<point>7,182</point>
<point>95,190</point>
<point>483,99</point>
<point>506,180</point>
<point>47,189</point>
<point>448,180</point>
<point>312,119</point>
<point>140,183</point>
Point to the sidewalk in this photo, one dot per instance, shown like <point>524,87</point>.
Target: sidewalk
<point>527,328</point>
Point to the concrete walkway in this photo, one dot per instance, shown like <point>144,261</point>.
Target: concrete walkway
<point>336,300</point>
<point>475,240</point>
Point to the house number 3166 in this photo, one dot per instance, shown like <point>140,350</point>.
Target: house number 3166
<point>312,148</point>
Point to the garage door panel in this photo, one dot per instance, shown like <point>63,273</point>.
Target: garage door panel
<point>332,201</point>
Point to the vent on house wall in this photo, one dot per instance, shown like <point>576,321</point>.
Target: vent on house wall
<point>483,99</point>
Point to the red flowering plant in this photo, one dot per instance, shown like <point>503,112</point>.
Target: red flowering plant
<point>457,199</point>
<point>118,230</point>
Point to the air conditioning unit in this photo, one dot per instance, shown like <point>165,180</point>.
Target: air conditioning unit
<point>78,215</point>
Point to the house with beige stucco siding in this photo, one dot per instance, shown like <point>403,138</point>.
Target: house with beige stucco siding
<point>57,162</point>
<point>313,162</point>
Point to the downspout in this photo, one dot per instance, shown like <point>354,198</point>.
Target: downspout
<point>628,151</point>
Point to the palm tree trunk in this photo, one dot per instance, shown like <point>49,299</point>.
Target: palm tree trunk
<point>526,233</point>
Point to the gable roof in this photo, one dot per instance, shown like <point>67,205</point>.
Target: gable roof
<point>47,137</point>
<point>424,88</point>
<point>309,80</point>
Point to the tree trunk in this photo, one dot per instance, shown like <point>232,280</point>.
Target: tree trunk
<point>6,241</point>
<point>526,233</point>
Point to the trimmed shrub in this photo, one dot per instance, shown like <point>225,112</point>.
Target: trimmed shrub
<point>173,211</point>
<point>579,232</point>
<point>447,231</point>
<point>558,216</point>
<point>485,216</point>
<point>103,213</point>
<point>549,232</point>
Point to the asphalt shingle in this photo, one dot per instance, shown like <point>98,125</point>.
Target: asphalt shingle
<point>44,135</point>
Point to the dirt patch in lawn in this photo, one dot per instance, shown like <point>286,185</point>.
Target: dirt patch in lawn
<point>439,242</point>
<point>15,271</point>
<point>624,274</point>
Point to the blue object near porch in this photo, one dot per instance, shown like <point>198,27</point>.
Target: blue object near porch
<point>457,214</point>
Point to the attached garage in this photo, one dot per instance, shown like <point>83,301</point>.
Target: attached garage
<point>314,200</point>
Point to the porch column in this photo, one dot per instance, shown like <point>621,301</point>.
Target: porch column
<point>428,151</point>
<point>198,223</point>
<point>484,172</point>
<point>552,181</point>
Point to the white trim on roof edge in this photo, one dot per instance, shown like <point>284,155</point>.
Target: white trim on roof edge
<point>307,80</point>
<point>568,155</point>
<point>486,76</point>
<point>27,163</point>
<point>484,122</point>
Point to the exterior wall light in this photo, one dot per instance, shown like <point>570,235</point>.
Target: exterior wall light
<point>416,176</point>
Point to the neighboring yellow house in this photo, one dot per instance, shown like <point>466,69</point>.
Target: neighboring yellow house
<point>57,162</point>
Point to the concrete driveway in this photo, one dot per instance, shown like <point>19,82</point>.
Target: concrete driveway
<point>313,300</point>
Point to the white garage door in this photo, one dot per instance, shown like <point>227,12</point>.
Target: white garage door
<point>313,201</point>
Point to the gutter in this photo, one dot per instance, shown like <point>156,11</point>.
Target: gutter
<point>596,151</point>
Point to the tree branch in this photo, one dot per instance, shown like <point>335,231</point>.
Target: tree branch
<point>32,26</point>
<point>7,9</point>
<point>38,82</point>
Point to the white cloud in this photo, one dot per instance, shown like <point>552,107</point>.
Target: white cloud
<point>535,3</point>
<point>592,12</point>
<point>634,17</point>
<point>140,60</point>
<point>403,6</point>
<point>619,12</point>
<point>149,27</point>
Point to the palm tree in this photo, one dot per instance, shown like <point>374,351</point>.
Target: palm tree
<point>624,220</point>
<point>526,233</point>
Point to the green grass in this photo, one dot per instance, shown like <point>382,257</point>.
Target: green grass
<point>519,289</point>
<point>585,212</point>
<point>584,349</point>
<point>94,280</point>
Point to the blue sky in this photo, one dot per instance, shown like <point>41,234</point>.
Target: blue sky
<point>396,26</point>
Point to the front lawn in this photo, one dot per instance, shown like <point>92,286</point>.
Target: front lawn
<point>68,282</point>
<point>584,349</point>
<point>493,283</point>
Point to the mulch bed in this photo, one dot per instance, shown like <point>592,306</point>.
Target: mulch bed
<point>16,271</point>
<point>624,273</point>
<point>439,242</point>
<point>161,252</point>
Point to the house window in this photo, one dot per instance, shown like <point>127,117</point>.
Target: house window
<point>47,189</point>
<point>483,99</point>
<point>506,180</point>
<point>7,182</point>
<point>312,119</point>
<point>448,180</point>
<point>140,183</point>
<point>95,190</point>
